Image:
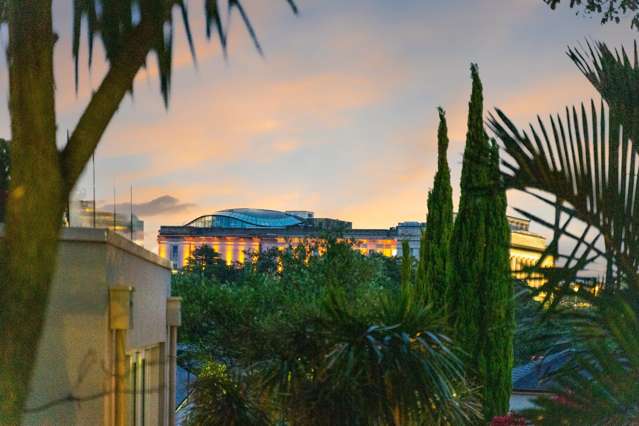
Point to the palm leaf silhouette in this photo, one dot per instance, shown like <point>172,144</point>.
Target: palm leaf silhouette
<point>583,164</point>
<point>115,22</point>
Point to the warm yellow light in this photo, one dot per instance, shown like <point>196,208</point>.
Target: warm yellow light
<point>184,258</point>
<point>240,252</point>
<point>229,254</point>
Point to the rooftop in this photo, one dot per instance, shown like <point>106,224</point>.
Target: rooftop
<point>536,376</point>
<point>246,218</point>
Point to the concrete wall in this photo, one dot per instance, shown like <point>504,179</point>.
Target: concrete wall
<point>76,352</point>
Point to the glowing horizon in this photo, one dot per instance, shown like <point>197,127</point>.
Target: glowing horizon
<point>339,117</point>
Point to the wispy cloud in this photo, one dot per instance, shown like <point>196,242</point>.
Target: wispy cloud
<point>164,205</point>
<point>337,117</point>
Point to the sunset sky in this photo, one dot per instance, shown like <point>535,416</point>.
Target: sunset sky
<point>338,116</point>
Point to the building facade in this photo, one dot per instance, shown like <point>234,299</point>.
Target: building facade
<point>107,355</point>
<point>235,233</point>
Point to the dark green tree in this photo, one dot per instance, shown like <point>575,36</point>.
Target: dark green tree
<point>497,299</point>
<point>205,261</point>
<point>435,260</point>
<point>609,10</point>
<point>420,273</point>
<point>480,291</point>
<point>315,348</point>
<point>407,265</point>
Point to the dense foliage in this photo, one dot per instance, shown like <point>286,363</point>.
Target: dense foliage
<point>480,295</point>
<point>319,340</point>
<point>434,259</point>
<point>609,10</point>
<point>537,333</point>
<point>584,167</point>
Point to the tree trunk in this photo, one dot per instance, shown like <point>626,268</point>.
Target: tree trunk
<point>41,180</point>
<point>36,201</point>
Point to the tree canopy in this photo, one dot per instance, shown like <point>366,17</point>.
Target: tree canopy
<point>608,10</point>
<point>303,345</point>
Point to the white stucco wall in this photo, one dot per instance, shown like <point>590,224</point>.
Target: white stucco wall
<point>75,354</point>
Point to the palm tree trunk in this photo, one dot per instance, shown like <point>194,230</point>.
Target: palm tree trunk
<point>41,180</point>
<point>397,416</point>
<point>36,200</point>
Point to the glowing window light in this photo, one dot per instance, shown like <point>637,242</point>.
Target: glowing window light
<point>229,254</point>
<point>184,259</point>
<point>240,252</point>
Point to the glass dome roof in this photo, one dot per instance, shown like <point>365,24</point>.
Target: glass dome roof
<point>246,218</point>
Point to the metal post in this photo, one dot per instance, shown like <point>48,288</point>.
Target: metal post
<point>131,212</point>
<point>172,372</point>
<point>120,378</point>
<point>93,159</point>
<point>114,223</point>
<point>173,321</point>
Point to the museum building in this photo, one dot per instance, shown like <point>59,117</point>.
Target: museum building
<point>236,233</point>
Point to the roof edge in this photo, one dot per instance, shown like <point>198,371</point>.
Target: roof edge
<point>105,236</point>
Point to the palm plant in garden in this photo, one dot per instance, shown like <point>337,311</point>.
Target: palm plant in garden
<point>130,30</point>
<point>388,367</point>
<point>584,167</point>
<point>220,397</point>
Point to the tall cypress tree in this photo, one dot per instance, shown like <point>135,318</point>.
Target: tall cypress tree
<point>480,291</point>
<point>407,265</point>
<point>497,299</point>
<point>420,274</point>
<point>434,259</point>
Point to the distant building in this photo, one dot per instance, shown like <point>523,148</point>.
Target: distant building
<point>81,216</point>
<point>234,233</point>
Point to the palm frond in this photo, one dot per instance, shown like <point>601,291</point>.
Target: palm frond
<point>392,368</point>
<point>223,397</point>
<point>115,21</point>
<point>588,176</point>
<point>584,166</point>
<point>599,386</point>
